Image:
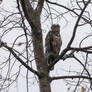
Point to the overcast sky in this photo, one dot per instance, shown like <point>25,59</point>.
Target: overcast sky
<point>60,67</point>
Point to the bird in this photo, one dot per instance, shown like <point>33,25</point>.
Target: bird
<point>53,44</point>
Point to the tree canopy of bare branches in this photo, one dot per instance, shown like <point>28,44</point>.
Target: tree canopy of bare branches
<point>22,34</point>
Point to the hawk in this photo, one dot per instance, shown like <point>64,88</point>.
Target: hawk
<point>53,44</point>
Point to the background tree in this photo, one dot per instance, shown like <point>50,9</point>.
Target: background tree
<point>22,43</point>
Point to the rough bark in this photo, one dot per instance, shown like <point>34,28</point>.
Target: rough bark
<point>44,82</point>
<point>33,18</point>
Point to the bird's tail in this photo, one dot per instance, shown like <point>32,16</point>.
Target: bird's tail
<point>51,58</point>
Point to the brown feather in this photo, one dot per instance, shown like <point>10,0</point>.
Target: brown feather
<point>53,43</point>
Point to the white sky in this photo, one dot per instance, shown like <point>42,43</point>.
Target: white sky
<point>66,32</point>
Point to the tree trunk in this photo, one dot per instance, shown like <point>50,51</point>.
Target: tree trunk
<point>33,18</point>
<point>44,80</point>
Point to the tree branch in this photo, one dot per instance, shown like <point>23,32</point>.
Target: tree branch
<point>85,49</point>
<point>19,59</point>
<point>28,11</point>
<point>39,7</point>
<point>32,16</point>
<point>71,10</point>
<point>70,77</point>
<point>59,57</point>
<point>78,20</point>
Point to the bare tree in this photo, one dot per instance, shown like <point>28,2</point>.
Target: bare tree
<point>28,20</point>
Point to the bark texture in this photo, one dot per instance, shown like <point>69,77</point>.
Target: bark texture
<point>33,18</point>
